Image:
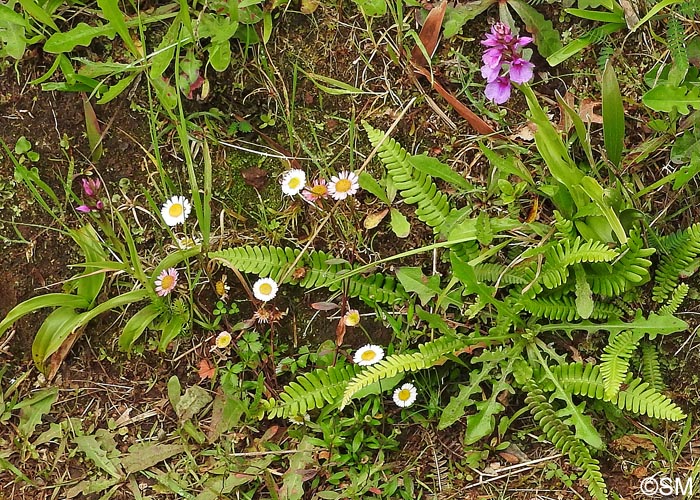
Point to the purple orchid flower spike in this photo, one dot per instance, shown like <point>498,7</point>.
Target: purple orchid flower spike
<point>91,194</point>
<point>503,62</point>
<point>91,187</point>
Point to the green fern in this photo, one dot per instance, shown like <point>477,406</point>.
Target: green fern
<point>311,390</point>
<point>563,308</point>
<point>491,273</point>
<point>683,247</point>
<point>616,359</point>
<point>638,396</point>
<point>428,355</point>
<point>565,227</point>
<point>275,262</point>
<point>561,436</point>
<point>630,270</point>
<point>675,36</point>
<point>567,253</point>
<point>677,298</point>
<point>650,367</point>
<point>414,186</point>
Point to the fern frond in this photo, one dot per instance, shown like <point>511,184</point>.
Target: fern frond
<point>565,227</point>
<point>413,185</point>
<point>616,360</point>
<point>274,262</point>
<point>311,390</point>
<point>491,273</point>
<point>631,269</point>
<point>586,380</point>
<point>567,253</point>
<point>428,355</point>
<point>677,298</point>
<point>684,247</point>
<point>563,308</point>
<point>675,36</point>
<point>650,367</point>
<point>561,436</point>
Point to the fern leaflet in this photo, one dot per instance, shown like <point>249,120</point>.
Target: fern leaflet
<point>616,359</point>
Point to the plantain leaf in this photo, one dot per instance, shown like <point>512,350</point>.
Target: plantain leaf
<point>613,115</point>
<point>135,327</point>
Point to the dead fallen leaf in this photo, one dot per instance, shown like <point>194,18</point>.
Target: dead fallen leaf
<point>509,457</point>
<point>631,442</point>
<point>255,177</point>
<point>587,113</point>
<point>565,121</point>
<point>373,220</point>
<point>631,16</point>
<point>525,133</point>
<point>324,306</point>
<point>429,34</point>
<point>340,332</point>
<point>309,6</point>
<point>206,370</point>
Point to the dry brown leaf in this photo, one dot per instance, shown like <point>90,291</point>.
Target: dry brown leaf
<point>587,113</point>
<point>429,34</point>
<point>206,370</point>
<point>373,220</point>
<point>55,360</point>
<point>324,306</point>
<point>340,332</point>
<point>631,442</point>
<point>255,177</point>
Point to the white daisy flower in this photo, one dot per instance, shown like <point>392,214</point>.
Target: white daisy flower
<point>265,289</point>
<point>223,340</point>
<point>300,419</point>
<point>176,210</point>
<point>352,317</point>
<point>368,355</point>
<point>343,185</point>
<point>293,181</point>
<point>405,395</point>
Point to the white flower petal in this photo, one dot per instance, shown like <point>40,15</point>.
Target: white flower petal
<point>368,355</point>
<point>405,395</point>
<point>176,210</point>
<point>293,181</point>
<point>265,289</point>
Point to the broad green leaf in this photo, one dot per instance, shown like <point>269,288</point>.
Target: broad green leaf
<point>33,409</point>
<point>174,391</point>
<point>171,330</point>
<point>36,303</point>
<point>58,324</point>
<point>101,450</point>
<point>597,15</point>
<point>143,456</point>
<point>667,98</point>
<point>457,406</point>
<point>595,191</point>
<point>369,184</point>
<point>110,10</point>
<point>507,164</point>
<point>192,402</point>
<point>435,168</point>
<point>613,116</point>
<point>164,53</point>
<point>9,16</point>
<point>38,13</point>
<point>482,423</point>
<point>456,17</point>
<point>581,130</point>
<point>584,295</point>
<point>372,8</point>
<point>399,224</point>
<point>653,11</point>
<point>48,343</point>
<point>115,90</point>
<point>687,172</point>
<point>138,323</point>
<point>92,129</point>
<point>653,325</point>
<point>293,479</point>
<point>82,35</point>
<point>413,280</point>
<point>546,37</point>
<point>220,55</point>
<point>581,43</point>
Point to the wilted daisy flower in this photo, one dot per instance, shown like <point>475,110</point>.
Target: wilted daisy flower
<point>300,419</point>
<point>223,340</point>
<point>222,288</point>
<point>368,355</point>
<point>293,181</point>
<point>318,190</point>
<point>176,210</point>
<point>166,281</point>
<point>187,242</point>
<point>343,185</point>
<point>405,395</point>
<point>265,289</point>
<point>352,318</point>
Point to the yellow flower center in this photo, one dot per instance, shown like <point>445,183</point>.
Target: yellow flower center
<point>175,210</point>
<point>369,355</point>
<point>404,395</point>
<point>167,282</point>
<point>343,186</point>
<point>223,340</point>
<point>266,289</point>
<point>294,182</point>
<point>319,190</point>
